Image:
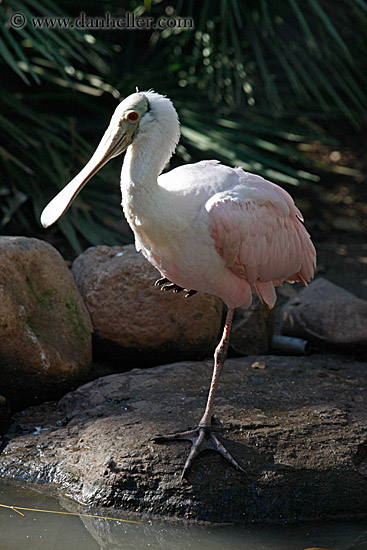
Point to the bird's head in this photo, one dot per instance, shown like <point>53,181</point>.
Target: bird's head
<point>122,130</point>
<point>124,123</point>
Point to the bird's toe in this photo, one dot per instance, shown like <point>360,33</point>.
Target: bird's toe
<point>190,293</point>
<point>202,439</point>
<point>161,281</point>
<point>165,285</point>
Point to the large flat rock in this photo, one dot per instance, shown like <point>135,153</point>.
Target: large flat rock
<point>298,426</point>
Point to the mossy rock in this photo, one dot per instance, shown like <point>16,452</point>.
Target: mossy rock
<point>45,329</point>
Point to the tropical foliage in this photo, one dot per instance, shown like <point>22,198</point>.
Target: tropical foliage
<point>251,81</point>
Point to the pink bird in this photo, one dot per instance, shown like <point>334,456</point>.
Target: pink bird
<point>206,227</point>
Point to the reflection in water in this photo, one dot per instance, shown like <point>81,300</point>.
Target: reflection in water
<point>41,531</point>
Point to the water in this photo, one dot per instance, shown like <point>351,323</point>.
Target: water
<point>41,531</point>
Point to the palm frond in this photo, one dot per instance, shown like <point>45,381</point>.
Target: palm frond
<point>254,83</point>
<point>278,54</point>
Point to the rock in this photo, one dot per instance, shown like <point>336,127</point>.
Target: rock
<point>45,330</point>
<point>252,329</point>
<point>133,320</point>
<point>4,414</point>
<point>326,314</point>
<point>297,425</point>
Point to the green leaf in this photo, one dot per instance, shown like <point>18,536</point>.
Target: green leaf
<point>11,61</point>
<point>315,4</point>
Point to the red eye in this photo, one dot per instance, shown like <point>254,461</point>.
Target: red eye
<point>133,116</point>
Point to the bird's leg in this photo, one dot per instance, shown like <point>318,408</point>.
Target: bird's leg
<point>166,284</point>
<point>202,437</point>
<point>220,356</point>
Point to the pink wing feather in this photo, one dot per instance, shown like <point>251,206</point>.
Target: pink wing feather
<point>258,231</point>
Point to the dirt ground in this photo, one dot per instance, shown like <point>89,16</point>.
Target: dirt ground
<point>335,212</point>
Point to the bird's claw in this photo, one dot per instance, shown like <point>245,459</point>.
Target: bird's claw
<point>166,284</point>
<point>202,439</point>
<point>189,293</point>
<point>171,286</point>
<point>161,281</point>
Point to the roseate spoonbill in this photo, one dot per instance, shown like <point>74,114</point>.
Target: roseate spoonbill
<point>206,227</point>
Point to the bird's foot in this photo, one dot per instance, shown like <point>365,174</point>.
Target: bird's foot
<point>166,284</point>
<point>202,439</point>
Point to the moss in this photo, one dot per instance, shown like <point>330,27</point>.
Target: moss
<point>49,300</point>
<point>75,319</point>
<point>120,402</point>
<point>34,328</point>
<point>41,298</point>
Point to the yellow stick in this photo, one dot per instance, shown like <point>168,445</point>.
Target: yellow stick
<point>16,509</point>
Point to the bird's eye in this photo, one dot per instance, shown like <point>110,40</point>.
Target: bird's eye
<point>133,116</point>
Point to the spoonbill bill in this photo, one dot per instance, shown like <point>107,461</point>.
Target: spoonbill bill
<point>206,227</point>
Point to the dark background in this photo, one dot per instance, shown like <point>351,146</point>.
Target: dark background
<point>277,87</point>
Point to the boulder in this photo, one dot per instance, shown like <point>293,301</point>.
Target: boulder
<point>252,329</point>
<point>133,321</point>
<point>45,329</point>
<point>4,414</point>
<point>327,314</point>
<point>297,425</point>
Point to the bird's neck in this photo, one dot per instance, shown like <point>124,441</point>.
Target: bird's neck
<point>146,158</point>
<point>144,161</point>
<point>142,198</point>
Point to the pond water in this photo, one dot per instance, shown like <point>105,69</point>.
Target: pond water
<point>42,530</point>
